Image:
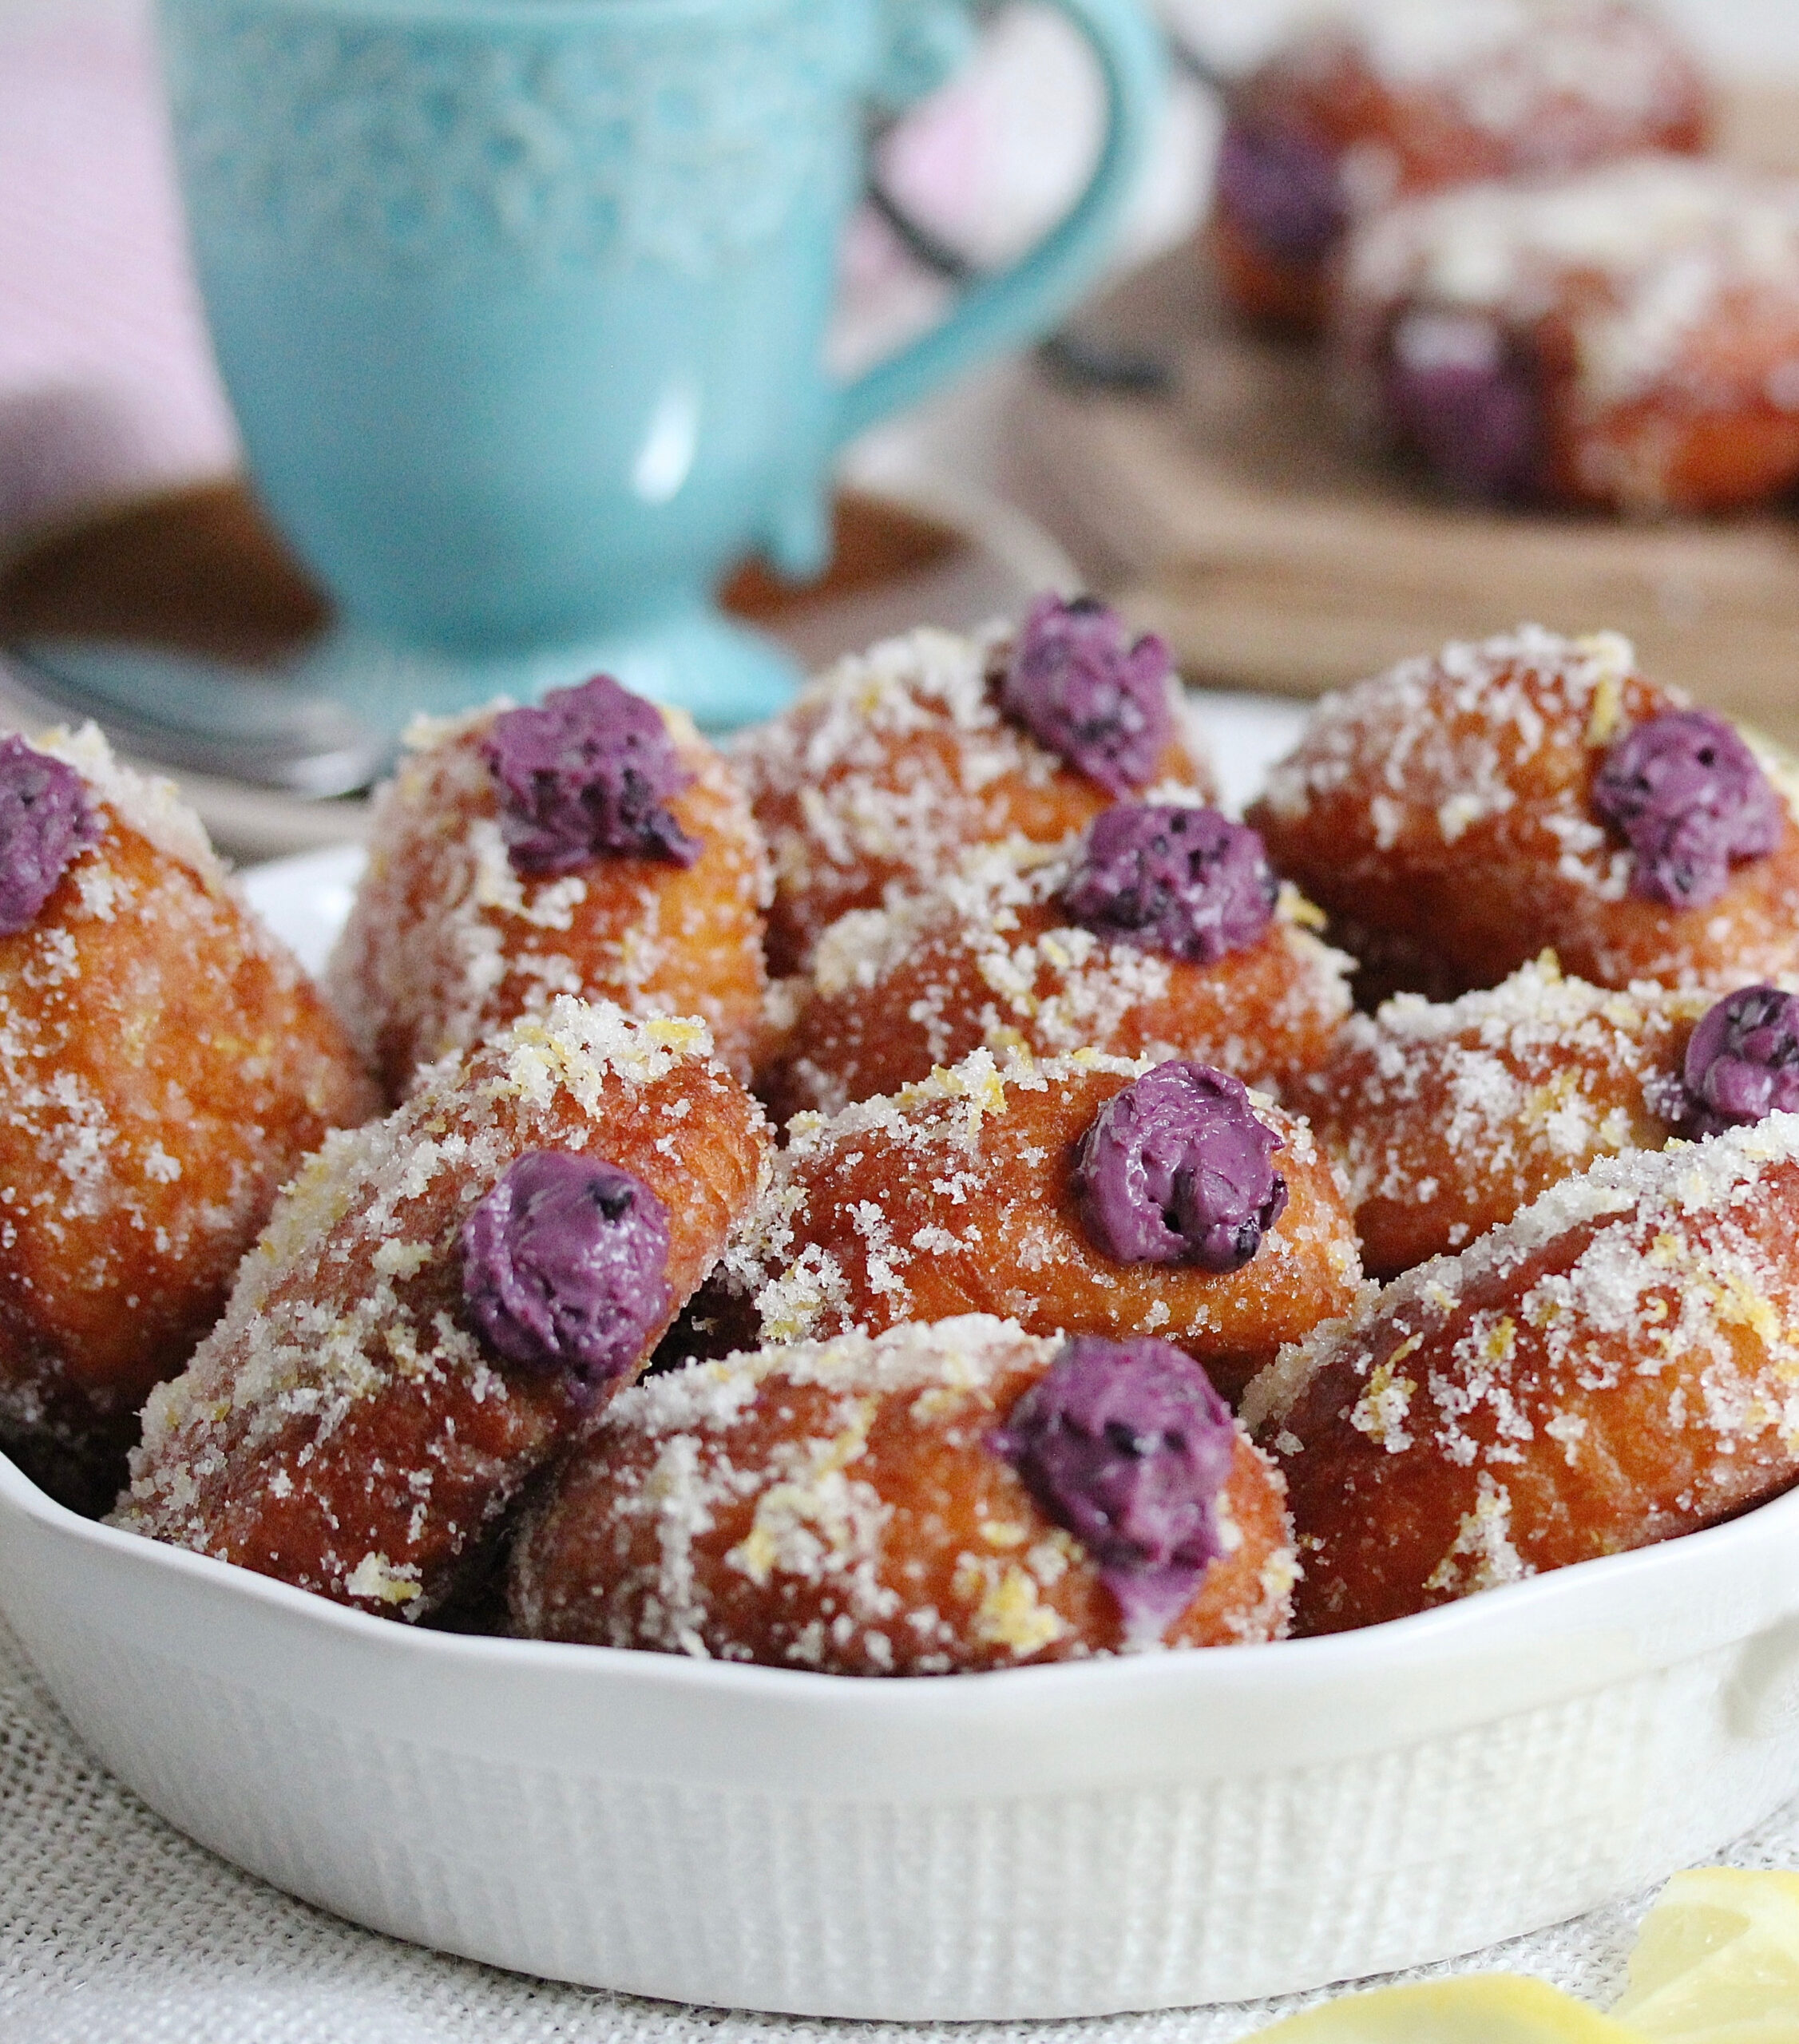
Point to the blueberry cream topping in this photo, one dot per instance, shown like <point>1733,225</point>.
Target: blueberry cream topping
<point>1187,883</point>
<point>1742,1060</point>
<point>565,1266</point>
<point>1466,404</point>
<point>44,820</point>
<point>1177,1169</point>
<point>1686,793</point>
<point>1082,686</point>
<point>1126,1445</point>
<point>587,773</point>
<point>1282,191</point>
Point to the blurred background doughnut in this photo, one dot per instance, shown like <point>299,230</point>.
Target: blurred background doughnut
<point>1363,103</point>
<point>1625,340</point>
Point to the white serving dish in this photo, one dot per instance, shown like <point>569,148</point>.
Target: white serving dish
<point>1139,1833</point>
<point>1056,1841</point>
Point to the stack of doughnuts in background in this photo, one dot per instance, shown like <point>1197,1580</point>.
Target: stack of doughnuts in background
<point>1532,281</point>
<point>915,1192</point>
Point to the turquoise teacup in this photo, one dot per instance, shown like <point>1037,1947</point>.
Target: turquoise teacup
<point>521,306</point>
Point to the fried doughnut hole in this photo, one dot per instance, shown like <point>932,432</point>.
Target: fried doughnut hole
<point>845,1506</point>
<point>1365,104</point>
<point>992,956</point>
<point>1442,816</point>
<point>446,941</point>
<point>1448,1118</point>
<point>1620,339</point>
<point>164,1064</point>
<point>884,770</point>
<point>1614,1366</point>
<point>958,1195</point>
<point>344,1429</point>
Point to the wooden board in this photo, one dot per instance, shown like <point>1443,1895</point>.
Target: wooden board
<point>1233,514</point>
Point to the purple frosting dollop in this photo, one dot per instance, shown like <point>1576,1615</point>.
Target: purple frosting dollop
<point>588,772</point>
<point>1742,1060</point>
<point>1281,190</point>
<point>1471,413</point>
<point>45,819</point>
<point>1081,685</point>
<point>565,1266</point>
<point>1177,1169</point>
<point>1686,793</point>
<point>1187,883</point>
<point>1126,1445</point>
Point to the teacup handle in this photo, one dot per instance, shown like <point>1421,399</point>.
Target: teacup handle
<point>1024,300</point>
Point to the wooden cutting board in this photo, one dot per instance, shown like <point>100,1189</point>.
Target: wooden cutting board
<point>1232,513</point>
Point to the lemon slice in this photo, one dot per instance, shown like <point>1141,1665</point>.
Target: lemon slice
<point>1483,2008</point>
<point>1717,1961</point>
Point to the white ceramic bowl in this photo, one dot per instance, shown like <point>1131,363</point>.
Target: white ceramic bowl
<point>1052,1841</point>
<point>1058,1841</point>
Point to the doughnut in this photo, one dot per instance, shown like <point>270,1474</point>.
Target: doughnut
<point>1089,1195</point>
<point>1161,931</point>
<point>1389,98</point>
<point>443,1300</point>
<point>594,845</point>
<point>1614,1365</point>
<point>924,1501</point>
<point>164,1064</point>
<point>1466,811</point>
<point>1625,338</point>
<point>882,771</point>
<point>1448,1117</point>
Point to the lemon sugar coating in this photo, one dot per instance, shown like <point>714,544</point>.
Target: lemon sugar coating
<point>447,941</point>
<point>164,1063</point>
<point>1442,815</point>
<point>1618,1363</point>
<point>1448,1117</point>
<point>344,1428</point>
<point>990,957</point>
<point>844,1506</point>
<point>958,1194</point>
<point>885,767</point>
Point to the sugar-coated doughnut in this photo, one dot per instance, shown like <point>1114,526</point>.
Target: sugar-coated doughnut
<point>443,1300</point>
<point>595,845</point>
<point>1448,1117</point>
<point>1465,812</point>
<point>164,1064</point>
<point>1372,101</point>
<point>1617,1364</point>
<point>1159,932</point>
<point>885,769</point>
<point>1089,1195</point>
<point>1626,339</point>
<point>931,1499</point>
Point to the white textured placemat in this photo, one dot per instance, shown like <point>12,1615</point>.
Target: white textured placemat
<point>114,1929</point>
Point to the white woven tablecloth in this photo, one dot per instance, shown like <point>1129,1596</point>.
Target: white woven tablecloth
<point>114,1929</point>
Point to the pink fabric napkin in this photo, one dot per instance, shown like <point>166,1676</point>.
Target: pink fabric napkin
<point>107,385</point>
